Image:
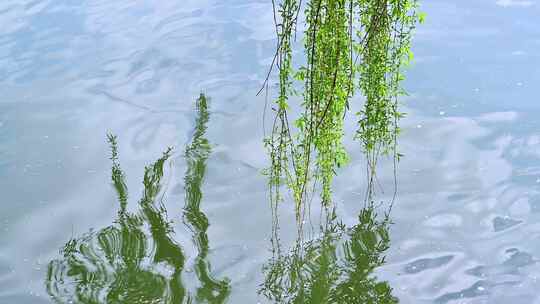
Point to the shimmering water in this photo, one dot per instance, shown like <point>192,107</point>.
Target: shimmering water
<point>197,226</point>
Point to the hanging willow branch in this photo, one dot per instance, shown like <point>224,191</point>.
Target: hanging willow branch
<point>349,45</point>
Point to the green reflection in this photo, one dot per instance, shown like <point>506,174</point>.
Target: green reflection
<point>337,267</point>
<point>210,290</point>
<point>136,260</point>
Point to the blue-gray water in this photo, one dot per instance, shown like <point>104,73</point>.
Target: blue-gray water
<point>466,223</point>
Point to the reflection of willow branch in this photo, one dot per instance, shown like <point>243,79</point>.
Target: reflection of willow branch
<point>167,250</point>
<point>335,268</point>
<point>120,263</point>
<point>136,260</point>
<point>212,290</point>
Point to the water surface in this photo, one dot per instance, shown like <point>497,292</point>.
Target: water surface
<point>465,224</point>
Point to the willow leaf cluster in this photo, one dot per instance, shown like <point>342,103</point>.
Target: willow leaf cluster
<point>349,46</point>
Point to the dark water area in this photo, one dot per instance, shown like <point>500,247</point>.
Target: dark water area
<point>87,219</point>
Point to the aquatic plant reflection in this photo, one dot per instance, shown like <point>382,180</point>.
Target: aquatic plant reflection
<point>336,267</point>
<point>136,259</point>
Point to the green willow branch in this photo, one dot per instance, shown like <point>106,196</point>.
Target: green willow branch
<point>350,45</point>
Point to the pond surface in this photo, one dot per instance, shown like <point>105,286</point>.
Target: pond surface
<point>83,221</point>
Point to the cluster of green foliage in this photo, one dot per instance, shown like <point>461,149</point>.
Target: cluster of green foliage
<point>350,45</point>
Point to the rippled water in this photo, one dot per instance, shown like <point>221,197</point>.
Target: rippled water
<point>466,224</point>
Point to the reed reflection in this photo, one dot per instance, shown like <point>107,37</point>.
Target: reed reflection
<point>136,259</point>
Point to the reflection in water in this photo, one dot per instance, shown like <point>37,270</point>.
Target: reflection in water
<point>136,260</point>
<point>337,267</point>
<point>211,290</point>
